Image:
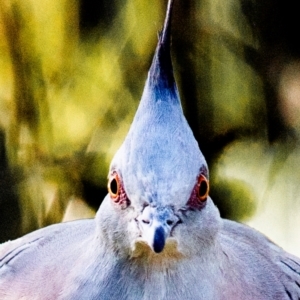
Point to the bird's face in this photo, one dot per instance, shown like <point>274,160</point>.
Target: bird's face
<point>158,182</point>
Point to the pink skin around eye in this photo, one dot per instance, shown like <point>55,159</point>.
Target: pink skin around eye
<point>194,201</point>
<point>121,200</point>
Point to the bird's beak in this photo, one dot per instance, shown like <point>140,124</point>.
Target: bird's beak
<point>155,236</point>
<point>155,225</point>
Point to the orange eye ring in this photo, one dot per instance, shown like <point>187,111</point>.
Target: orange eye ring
<point>113,186</point>
<point>203,188</point>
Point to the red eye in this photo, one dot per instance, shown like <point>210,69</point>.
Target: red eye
<point>202,188</point>
<point>199,193</point>
<point>114,187</point>
<point>116,191</point>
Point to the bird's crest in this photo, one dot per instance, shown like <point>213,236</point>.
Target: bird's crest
<point>161,72</point>
<point>161,85</point>
<point>160,142</point>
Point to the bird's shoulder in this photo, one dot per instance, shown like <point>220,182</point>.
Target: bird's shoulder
<point>50,250</point>
<point>42,238</point>
<point>265,257</point>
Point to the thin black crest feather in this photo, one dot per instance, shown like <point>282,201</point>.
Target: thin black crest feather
<point>161,71</point>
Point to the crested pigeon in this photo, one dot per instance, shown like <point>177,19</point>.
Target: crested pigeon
<point>157,233</point>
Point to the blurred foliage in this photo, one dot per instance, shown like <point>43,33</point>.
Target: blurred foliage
<point>72,74</point>
<point>59,82</point>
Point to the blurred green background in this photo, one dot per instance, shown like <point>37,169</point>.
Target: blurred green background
<point>71,76</point>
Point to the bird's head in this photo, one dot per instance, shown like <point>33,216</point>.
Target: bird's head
<point>158,180</point>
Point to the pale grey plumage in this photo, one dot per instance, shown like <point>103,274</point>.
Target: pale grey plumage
<point>151,238</point>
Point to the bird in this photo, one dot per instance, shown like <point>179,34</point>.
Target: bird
<point>157,233</point>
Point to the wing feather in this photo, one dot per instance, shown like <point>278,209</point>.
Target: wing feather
<point>269,259</point>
